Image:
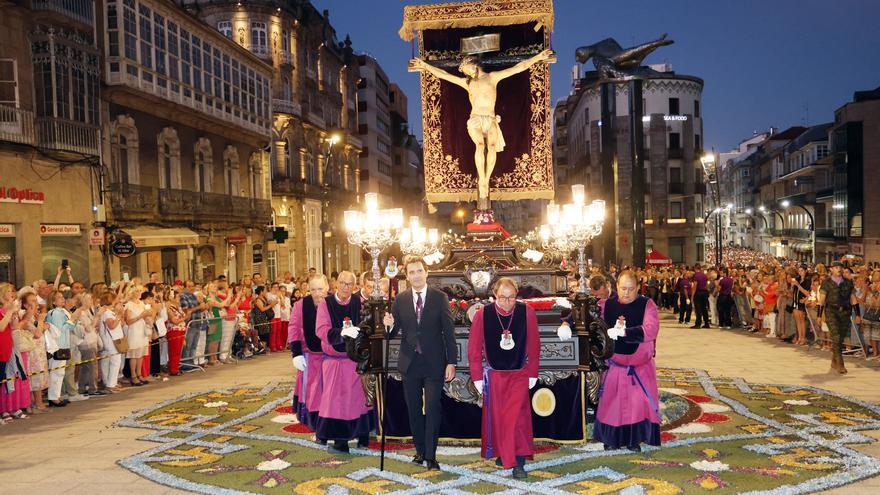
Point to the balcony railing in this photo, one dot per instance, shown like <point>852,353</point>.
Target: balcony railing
<point>676,153</point>
<point>17,125</point>
<point>132,201</point>
<point>79,10</point>
<point>67,135</point>
<point>825,233</point>
<point>676,188</point>
<point>797,233</point>
<point>285,57</point>
<point>260,51</point>
<point>699,188</point>
<point>280,105</point>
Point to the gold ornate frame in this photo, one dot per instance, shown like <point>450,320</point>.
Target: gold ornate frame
<point>532,176</point>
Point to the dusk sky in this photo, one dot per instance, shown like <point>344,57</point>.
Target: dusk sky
<point>765,63</point>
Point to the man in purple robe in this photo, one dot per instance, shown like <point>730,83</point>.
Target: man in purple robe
<point>503,355</point>
<point>628,413</point>
<point>308,357</point>
<point>343,414</point>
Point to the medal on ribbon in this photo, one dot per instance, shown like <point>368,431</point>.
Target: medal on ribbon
<point>507,342</point>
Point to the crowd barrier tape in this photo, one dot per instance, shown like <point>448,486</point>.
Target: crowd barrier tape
<point>69,364</point>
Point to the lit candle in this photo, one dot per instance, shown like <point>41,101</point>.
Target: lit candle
<point>577,194</point>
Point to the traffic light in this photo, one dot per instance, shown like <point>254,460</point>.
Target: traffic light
<point>279,234</point>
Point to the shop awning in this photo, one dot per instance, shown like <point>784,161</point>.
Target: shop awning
<point>147,237</point>
<point>657,258</point>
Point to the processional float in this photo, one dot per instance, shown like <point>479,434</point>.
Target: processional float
<point>485,94</point>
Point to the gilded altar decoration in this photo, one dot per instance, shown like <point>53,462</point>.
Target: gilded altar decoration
<point>524,168</point>
<point>473,14</point>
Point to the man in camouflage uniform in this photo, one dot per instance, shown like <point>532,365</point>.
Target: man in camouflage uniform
<point>837,299</point>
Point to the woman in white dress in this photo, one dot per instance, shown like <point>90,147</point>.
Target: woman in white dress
<point>110,330</point>
<point>138,321</point>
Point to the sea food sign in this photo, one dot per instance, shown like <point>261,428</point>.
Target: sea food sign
<point>13,195</point>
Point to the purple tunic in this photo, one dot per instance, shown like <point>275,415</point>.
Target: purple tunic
<point>628,411</point>
<point>303,341</point>
<point>342,413</point>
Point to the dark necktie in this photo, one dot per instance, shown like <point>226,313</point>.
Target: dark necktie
<point>418,319</point>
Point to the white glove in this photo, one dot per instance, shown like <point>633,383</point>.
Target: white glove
<point>479,386</point>
<point>300,363</point>
<point>564,332</point>
<point>532,382</point>
<point>351,331</point>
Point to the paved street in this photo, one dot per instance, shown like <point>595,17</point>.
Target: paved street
<point>74,450</point>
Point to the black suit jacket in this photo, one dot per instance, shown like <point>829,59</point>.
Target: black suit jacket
<point>435,332</point>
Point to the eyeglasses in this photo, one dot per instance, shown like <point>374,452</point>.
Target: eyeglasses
<point>346,284</point>
<point>506,299</point>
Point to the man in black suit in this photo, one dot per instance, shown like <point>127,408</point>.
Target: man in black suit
<point>428,355</point>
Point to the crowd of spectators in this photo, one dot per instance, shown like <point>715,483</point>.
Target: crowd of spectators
<point>63,342</point>
<point>758,293</point>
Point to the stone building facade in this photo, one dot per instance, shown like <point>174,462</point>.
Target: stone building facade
<point>313,99</point>
<point>49,141</point>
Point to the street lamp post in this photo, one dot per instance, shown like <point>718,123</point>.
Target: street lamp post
<point>710,168</point>
<point>326,230</point>
<point>374,230</point>
<point>571,227</point>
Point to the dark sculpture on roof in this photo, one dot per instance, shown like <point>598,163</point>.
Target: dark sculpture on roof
<point>614,62</point>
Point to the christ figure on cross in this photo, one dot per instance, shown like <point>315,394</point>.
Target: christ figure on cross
<point>483,125</point>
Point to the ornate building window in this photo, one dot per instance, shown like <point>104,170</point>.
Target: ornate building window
<point>259,40</point>
<point>169,158</point>
<point>231,175</point>
<point>288,161</point>
<point>124,150</point>
<point>225,27</point>
<point>204,165</point>
<point>311,169</point>
<point>66,76</point>
<point>182,56</point>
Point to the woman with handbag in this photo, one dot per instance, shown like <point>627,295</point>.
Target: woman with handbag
<point>113,338</point>
<point>261,317</point>
<point>61,325</point>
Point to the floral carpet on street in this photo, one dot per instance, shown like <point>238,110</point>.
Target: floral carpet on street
<point>720,436</point>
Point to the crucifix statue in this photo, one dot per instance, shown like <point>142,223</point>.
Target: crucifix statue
<point>483,125</point>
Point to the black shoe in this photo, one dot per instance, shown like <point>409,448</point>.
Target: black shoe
<point>64,402</point>
<point>432,465</point>
<point>634,448</point>
<point>56,404</point>
<point>520,473</point>
<point>338,448</point>
<point>418,459</point>
<point>498,462</point>
<point>321,441</point>
<point>706,326</point>
<point>364,443</point>
<point>695,326</point>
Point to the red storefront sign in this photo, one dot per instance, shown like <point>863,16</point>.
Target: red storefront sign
<point>13,195</point>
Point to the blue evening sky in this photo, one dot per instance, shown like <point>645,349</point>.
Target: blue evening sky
<point>764,62</point>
